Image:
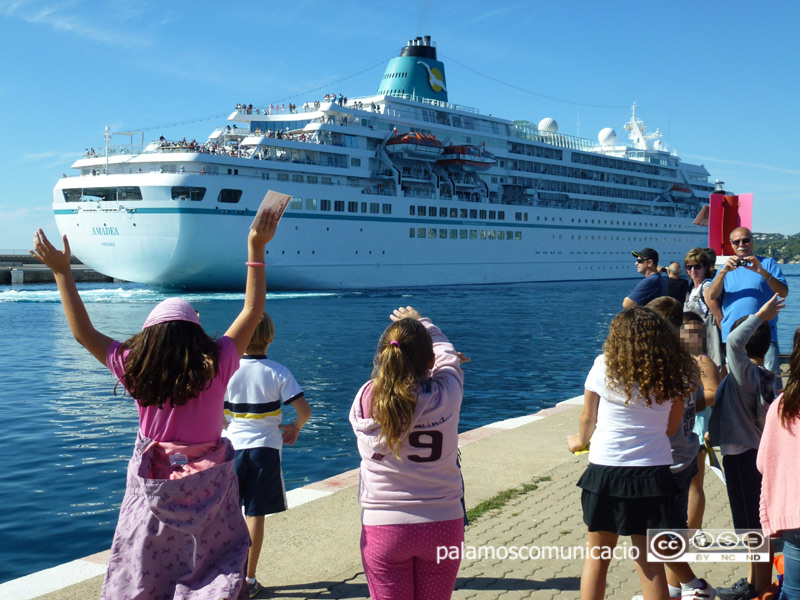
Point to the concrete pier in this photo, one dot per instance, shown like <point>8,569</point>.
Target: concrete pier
<point>19,268</point>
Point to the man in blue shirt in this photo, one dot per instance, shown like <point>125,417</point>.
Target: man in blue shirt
<point>653,285</point>
<point>748,281</point>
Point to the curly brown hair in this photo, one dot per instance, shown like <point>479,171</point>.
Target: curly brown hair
<point>643,350</point>
<point>404,354</point>
<point>172,361</point>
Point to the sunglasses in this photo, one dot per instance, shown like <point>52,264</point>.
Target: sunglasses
<point>741,242</point>
<point>693,267</point>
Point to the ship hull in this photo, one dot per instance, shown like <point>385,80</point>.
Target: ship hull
<point>198,245</point>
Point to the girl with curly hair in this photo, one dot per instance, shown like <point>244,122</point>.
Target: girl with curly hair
<point>180,531</point>
<point>633,400</point>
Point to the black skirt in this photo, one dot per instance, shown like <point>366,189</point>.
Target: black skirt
<point>628,500</point>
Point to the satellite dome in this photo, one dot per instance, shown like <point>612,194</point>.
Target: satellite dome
<point>548,125</point>
<point>607,136</point>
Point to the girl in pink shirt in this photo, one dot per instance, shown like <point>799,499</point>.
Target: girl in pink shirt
<point>780,486</point>
<point>180,531</point>
<point>411,491</point>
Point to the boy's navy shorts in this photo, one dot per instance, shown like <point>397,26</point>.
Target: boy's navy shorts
<point>260,481</point>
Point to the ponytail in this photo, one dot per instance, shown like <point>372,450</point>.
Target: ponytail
<point>401,361</point>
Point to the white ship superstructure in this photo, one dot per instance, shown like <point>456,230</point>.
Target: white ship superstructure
<point>401,188</point>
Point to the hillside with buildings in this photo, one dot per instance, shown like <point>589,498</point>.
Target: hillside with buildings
<point>783,248</point>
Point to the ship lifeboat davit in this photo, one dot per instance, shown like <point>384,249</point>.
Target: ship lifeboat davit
<point>467,156</point>
<point>415,145</point>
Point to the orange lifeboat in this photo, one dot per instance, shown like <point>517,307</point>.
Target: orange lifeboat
<point>415,145</point>
<point>467,156</point>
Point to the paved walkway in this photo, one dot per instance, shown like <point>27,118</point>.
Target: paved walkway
<point>312,550</point>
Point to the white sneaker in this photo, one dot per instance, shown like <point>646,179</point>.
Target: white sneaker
<point>641,597</point>
<point>704,593</point>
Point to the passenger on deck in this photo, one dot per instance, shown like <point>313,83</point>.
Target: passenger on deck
<point>677,286</point>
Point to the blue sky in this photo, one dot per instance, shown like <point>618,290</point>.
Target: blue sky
<point>719,79</point>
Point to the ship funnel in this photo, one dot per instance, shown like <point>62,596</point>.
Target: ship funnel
<point>416,73</point>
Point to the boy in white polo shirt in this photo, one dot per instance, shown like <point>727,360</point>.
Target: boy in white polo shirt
<point>253,414</point>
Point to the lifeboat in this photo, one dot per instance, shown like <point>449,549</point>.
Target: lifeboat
<point>467,156</point>
<point>415,145</point>
<point>680,191</point>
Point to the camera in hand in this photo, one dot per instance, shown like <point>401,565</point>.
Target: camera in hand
<point>740,262</point>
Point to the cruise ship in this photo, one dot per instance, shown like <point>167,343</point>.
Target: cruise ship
<point>401,188</point>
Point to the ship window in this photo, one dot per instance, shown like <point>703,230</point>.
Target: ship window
<point>411,210</point>
<point>473,213</point>
<point>324,204</point>
<point>311,178</point>
<point>482,234</point>
<point>462,213</point>
<point>373,208</point>
<point>431,233</point>
<point>501,214</point>
<point>297,178</point>
<point>492,214</point>
<point>518,216</point>
<point>363,207</point>
<point>431,211</point>
<point>352,207</point>
<point>327,181</point>
<point>387,209</point>
<point>72,195</point>
<point>501,235</point>
<point>283,177</point>
<point>454,234</point>
<point>442,212</point>
<point>355,162</point>
<point>453,213</point>
<point>443,234</point>
<point>188,193</point>
<point>492,234</point>
<point>338,205</point>
<point>462,233</point>
<point>526,216</point>
<point>483,214</point>
<point>473,234</point>
<point>296,204</point>
<point>421,232</point>
<point>518,235</point>
<point>229,196</point>
<point>411,232</point>
<point>311,204</point>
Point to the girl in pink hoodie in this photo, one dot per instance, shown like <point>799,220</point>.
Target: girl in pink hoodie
<point>780,487</point>
<point>411,492</point>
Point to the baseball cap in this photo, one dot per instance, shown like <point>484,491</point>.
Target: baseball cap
<point>647,254</point>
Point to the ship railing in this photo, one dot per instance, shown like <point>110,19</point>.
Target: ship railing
<point>554,139</point>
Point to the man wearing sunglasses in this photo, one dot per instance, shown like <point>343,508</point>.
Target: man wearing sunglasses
<point>748,281</point>
<point>653,285</point>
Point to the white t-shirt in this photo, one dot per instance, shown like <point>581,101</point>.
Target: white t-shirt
<point>253,403</point>
<point>627,436</point>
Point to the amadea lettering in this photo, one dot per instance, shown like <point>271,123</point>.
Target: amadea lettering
<point>105,231</point>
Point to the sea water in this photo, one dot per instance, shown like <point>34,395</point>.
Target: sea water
<point>68,437</point>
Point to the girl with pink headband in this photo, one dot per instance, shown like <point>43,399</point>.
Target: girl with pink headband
<point>181,532</point>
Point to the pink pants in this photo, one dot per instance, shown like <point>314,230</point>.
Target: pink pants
<point>400,561</point>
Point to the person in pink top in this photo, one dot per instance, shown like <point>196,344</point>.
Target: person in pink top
<point>411,491</point>
<point>180,533</point>
<point>780,486</point>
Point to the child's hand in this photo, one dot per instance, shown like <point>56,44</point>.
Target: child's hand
<point>771,308</point>
<point>43,251</point>
<point>289,433</point>
<point>405,313</point>
<point>463,358</point>
<point>264,229</point>
<point>574,443</point>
